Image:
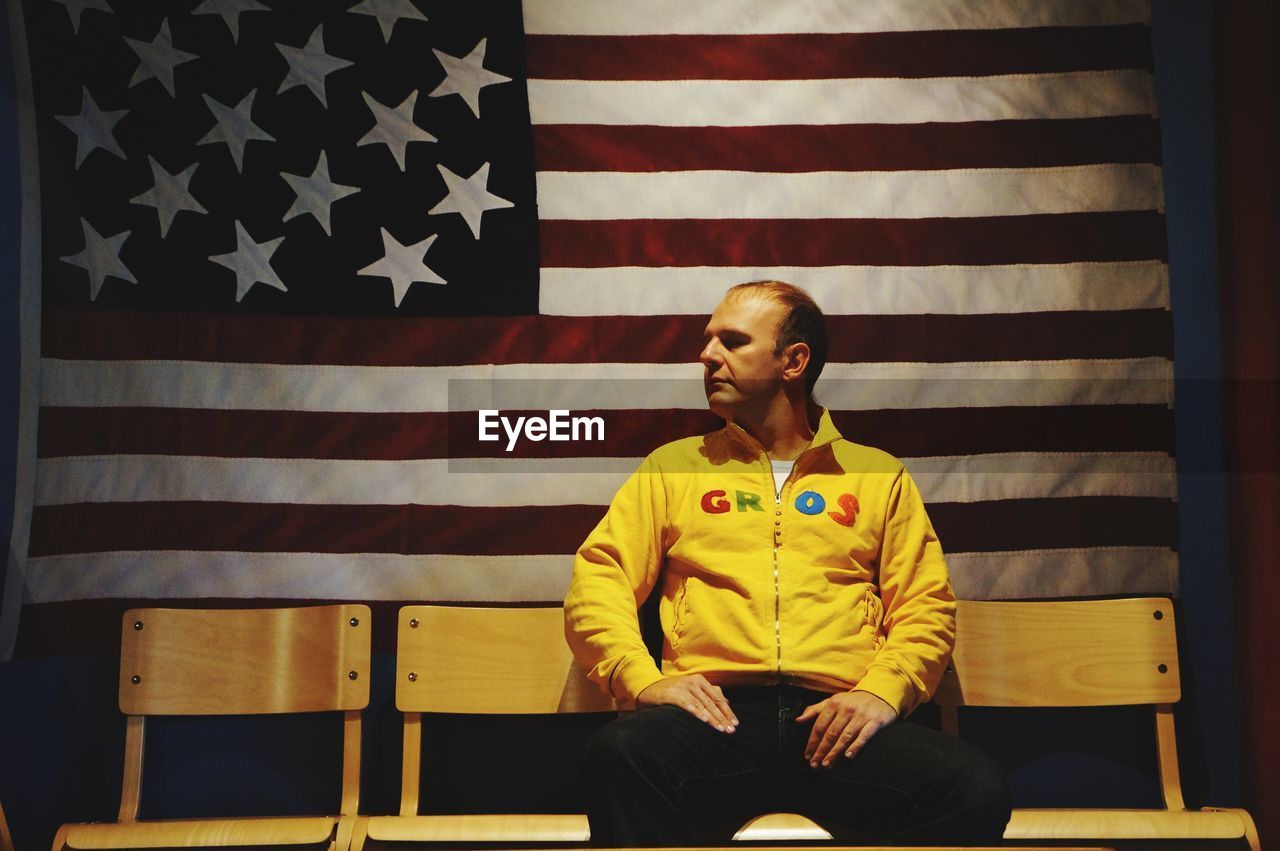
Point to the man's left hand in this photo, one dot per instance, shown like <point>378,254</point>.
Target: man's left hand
<point>845,722</point>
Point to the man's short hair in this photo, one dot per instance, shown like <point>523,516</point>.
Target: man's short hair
<point>802,323</point>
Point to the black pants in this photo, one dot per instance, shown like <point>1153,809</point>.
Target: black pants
<point>660,776</point>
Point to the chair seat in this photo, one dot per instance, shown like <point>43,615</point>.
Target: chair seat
<point>303,830</point>
<point>532,827</point>
<point>1124,824</point>
<point>781,827</point>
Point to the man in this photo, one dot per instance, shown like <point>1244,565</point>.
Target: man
<point>805,609</point>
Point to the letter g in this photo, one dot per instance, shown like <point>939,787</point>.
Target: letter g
<point>715,502</point>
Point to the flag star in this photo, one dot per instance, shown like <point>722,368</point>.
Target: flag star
<point>388,12</point>
<point>309,65</point>
<point>94,128</point>
<point>394,127</point>
<point>235,127</point>
<point>230,11</point>
<point>100,258</point>
<point>469,197</point>
<point>75,8</point>
<point>466,76</point>
<point>158,58</point>
<point>316,193</point>
<point>251,262</point>
<point>405,265</point>
<point>170,194</point>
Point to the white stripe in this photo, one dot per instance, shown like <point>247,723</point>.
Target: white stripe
<point>946,193</point>
<point>1044,475</point>
<point>29,301</point>
<point>862,290</point>
<point>375,576</point>
<point>732,17</point>
<point>752,103</point>
<point>1083,572</point>
<point>580,387</point>
<point>580,481</point>
<point>158,574</point>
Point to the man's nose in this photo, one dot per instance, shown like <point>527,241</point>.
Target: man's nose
<point>710,356</point>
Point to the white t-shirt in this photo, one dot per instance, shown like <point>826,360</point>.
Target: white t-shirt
<point>781,470</point>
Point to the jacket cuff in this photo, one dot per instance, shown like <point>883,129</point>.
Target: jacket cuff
<point>891,687</point>
<point>631,678</point>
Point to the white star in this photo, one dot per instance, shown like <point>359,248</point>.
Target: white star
<point>394,127</point>
<point>170,194</point>
<point>309,65</point>
<point>388,12</point>
<point>469,196</point>
<point>100,258</point>
<point>157,58</point>
<point>75,8</point>
<point>466,76</point>
<point>404,264</point>
<point>94,128</point>
<point>251,262</point>
<point>316,193</point>
<point>230,11</point>
<point>235,127</point>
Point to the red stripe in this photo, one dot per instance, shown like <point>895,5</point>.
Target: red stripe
<point>424,341</point>
<point>977,241</point>
<point>67,432</point>
<point>1034,524</point>
<point>849,147</point>
<point>531,530</point>
<point>280,527</point>
<point>807,56</point>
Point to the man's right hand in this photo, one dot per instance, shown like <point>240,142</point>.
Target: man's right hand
<point>694,695</point>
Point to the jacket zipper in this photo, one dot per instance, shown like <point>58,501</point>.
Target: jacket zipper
<point>777,590</point>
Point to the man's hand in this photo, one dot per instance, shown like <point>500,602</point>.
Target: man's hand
<point>694,695</point>
<point>845,722</point>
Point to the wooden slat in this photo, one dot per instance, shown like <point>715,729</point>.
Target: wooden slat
<point>489,661</point>
<point>479,828</point>
<point>1063,653</point>
<point>244,661</point>
<point>202,832</point>
<point>1108,824</point>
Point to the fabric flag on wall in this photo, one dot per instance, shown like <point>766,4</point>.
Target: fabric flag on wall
<point>286,250</point>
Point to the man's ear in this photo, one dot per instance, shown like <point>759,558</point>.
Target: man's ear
<point>795,360</point>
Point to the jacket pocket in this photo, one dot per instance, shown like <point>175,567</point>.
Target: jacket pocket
<point>680,611</point>
<point>874,616</point>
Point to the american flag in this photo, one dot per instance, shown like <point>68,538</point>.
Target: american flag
<point>285,250</point>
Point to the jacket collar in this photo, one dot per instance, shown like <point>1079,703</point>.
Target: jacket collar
<point>826,433</point>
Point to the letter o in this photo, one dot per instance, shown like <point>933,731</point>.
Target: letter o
<point>810,502</point>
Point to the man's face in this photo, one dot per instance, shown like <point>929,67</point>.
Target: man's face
<point>740,370</point>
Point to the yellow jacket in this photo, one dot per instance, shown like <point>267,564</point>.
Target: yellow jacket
<point>838,584</point>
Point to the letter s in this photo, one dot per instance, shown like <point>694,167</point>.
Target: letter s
<point>849,503</point>
<point>715,502</point>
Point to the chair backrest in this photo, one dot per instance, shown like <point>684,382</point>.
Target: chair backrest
<point>487,661</point>
<point>1063,653</point>
<point>1069,653</point>
<point>244,662</point>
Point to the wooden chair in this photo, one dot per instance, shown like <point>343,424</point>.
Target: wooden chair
<point>489,661</point>
<point>1073,653</point>
<point>236,662</point>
